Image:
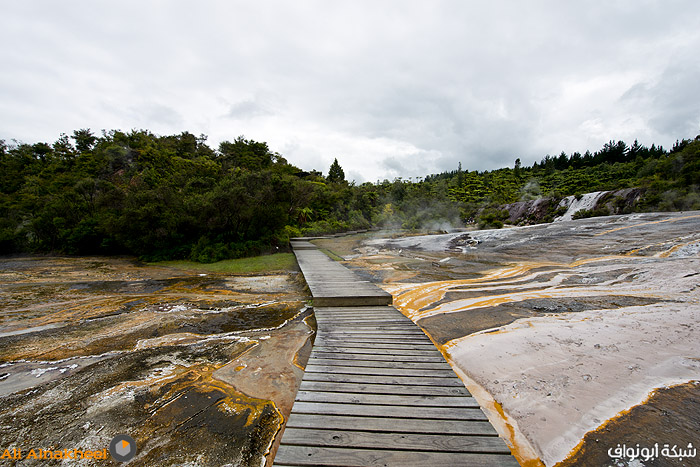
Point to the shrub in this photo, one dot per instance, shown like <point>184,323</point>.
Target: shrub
<point>492,218</point>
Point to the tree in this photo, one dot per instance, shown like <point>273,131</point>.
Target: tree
<point>335,173</point>
<point>84,139</point>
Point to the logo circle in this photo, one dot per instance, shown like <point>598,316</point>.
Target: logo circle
<point>122,448</point>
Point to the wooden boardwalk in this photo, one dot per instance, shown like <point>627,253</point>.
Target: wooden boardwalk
<point>376,392</point>
<point>331,283</point>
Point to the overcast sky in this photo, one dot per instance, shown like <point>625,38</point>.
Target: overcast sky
<point>391,88</point>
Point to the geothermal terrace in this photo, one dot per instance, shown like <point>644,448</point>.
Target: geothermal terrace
<point>574,336</point>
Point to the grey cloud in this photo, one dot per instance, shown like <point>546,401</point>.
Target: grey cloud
<point>248,108</point>
<point>396,88</point>
<point>666,102</point>
<point>152,115</point>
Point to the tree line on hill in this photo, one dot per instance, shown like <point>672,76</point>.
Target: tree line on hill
<point>170,197</point>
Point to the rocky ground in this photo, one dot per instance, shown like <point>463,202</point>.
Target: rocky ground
<point>201,369</point>
<point>576,336</point>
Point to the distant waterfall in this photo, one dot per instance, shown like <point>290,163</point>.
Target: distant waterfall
<point>587,201</point>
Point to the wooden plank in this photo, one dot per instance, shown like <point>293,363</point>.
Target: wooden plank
<point>383,379</point>
<point>382,364</point>
<point>364,311</point>
<point>367,311</point>
<point>389,348</point>
<point>433,357</point>
<point>348,457</point>
<point>369,324</point>
<point>393,344</point>
<point>359,388</point>
<point>395,425</point>
<point>368,318</point>
<point>374,329</point>
<point>387,399</point>
<point>395,441</point>
<point>366,321</point>
<point>352,370</point>
<point>372,332</point>
<point>422,344</point>
<point>360,309</point>
<point>322,335</point>
<point>388,312</point>
<point>372,350</point>
<point>376,335</point>
<point>375,344</point>
<point>358,299</point>
<point>437,413</point>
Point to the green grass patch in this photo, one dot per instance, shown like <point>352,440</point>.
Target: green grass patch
<point>254,265</point>
<point>332,255</point>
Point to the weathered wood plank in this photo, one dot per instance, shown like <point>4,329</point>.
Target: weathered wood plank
<point>431,357</point>
<point>387,399</point>
<point>352,370</point>
<point>372,350</point>
<point>437,413</point>
<point>373,334</point>
<point>382,364</point>
<point>348,457</point>
<point>374,344</point>
<point>395,441</point>
<point>366,319</point>
<point>373,329</point>
<point>370,312</point>
<point>383,379</point>
<point>395,425</point>
<point>378,342</point>
<point>376,335</point>
<point>357,309</point>
<point>351,309</point>
<point>368,325</point>
<point>380,346</point>
<point>322,336</point>
<point>360,311</point>
<point>368,388</point>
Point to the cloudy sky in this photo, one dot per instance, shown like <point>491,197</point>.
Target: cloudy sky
<point>391,88</point>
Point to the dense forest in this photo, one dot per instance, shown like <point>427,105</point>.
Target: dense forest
<point>168,197</point>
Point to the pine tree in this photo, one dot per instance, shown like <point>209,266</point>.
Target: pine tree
<point>335,173</point>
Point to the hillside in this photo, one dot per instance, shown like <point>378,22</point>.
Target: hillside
<point>173,197</point>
